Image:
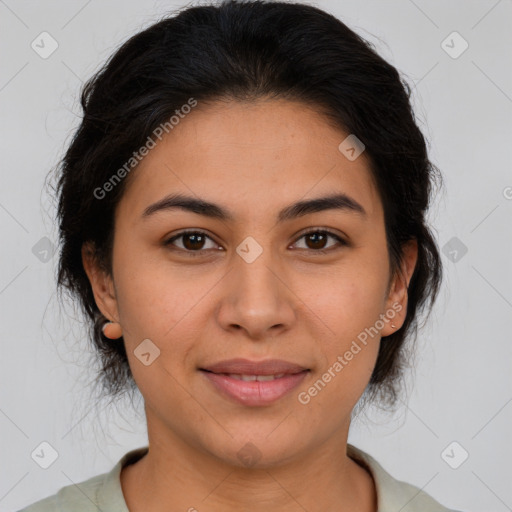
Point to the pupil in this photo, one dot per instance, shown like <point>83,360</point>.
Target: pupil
<point>196,239</point>
<point>320,237</point>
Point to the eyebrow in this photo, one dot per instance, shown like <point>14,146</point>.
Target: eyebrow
<point>201,207</point>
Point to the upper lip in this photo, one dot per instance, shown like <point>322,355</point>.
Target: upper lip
<point>247,367</point>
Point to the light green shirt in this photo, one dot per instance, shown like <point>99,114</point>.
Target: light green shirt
<point>103,492</point>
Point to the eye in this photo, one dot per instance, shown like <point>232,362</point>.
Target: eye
<point>317,238</point>
<point>193,241</point>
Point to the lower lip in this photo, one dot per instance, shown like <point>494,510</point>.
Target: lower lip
<point>254,393</point>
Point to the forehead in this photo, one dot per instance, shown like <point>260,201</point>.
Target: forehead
<point>255,157</point>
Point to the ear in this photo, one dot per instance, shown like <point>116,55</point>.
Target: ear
<point>397,296</point>
<point>101,283</point>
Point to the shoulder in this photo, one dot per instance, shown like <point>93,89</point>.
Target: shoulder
<point>393,494</point>
<point>82,497</point>
<point>101,492</point>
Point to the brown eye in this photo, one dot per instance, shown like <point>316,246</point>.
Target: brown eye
<point>317,240</point>
<point>192,241</point>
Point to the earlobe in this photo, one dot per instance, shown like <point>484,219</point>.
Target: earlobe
<point>101,283</point>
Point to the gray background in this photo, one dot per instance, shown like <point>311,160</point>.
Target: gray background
<point>461,389</point>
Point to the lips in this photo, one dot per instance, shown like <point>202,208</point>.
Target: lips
<point>247,367</point>
<point>254,383</point>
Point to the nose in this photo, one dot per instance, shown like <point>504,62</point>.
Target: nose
<point>257,298</point>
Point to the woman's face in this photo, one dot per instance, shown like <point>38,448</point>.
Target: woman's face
<point>252,285</point>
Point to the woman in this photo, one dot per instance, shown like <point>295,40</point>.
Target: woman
<point>242,215</point>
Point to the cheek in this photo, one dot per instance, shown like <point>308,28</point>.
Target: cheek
<point>349,352</point>
<point>339,384</point>
<point>349,304</point>
<point>155,296</point>
<point>347,298</point>
<point>158,304</point>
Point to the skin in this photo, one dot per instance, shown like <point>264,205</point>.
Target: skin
<point>290,303</point>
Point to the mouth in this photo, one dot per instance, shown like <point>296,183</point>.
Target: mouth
<point>254,383</point>
<point>251,378</point>
<point>258,368</point>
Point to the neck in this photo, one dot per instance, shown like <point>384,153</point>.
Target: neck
<point>326,479</point>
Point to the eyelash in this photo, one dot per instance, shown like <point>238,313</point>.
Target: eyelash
<point>200,251</point>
